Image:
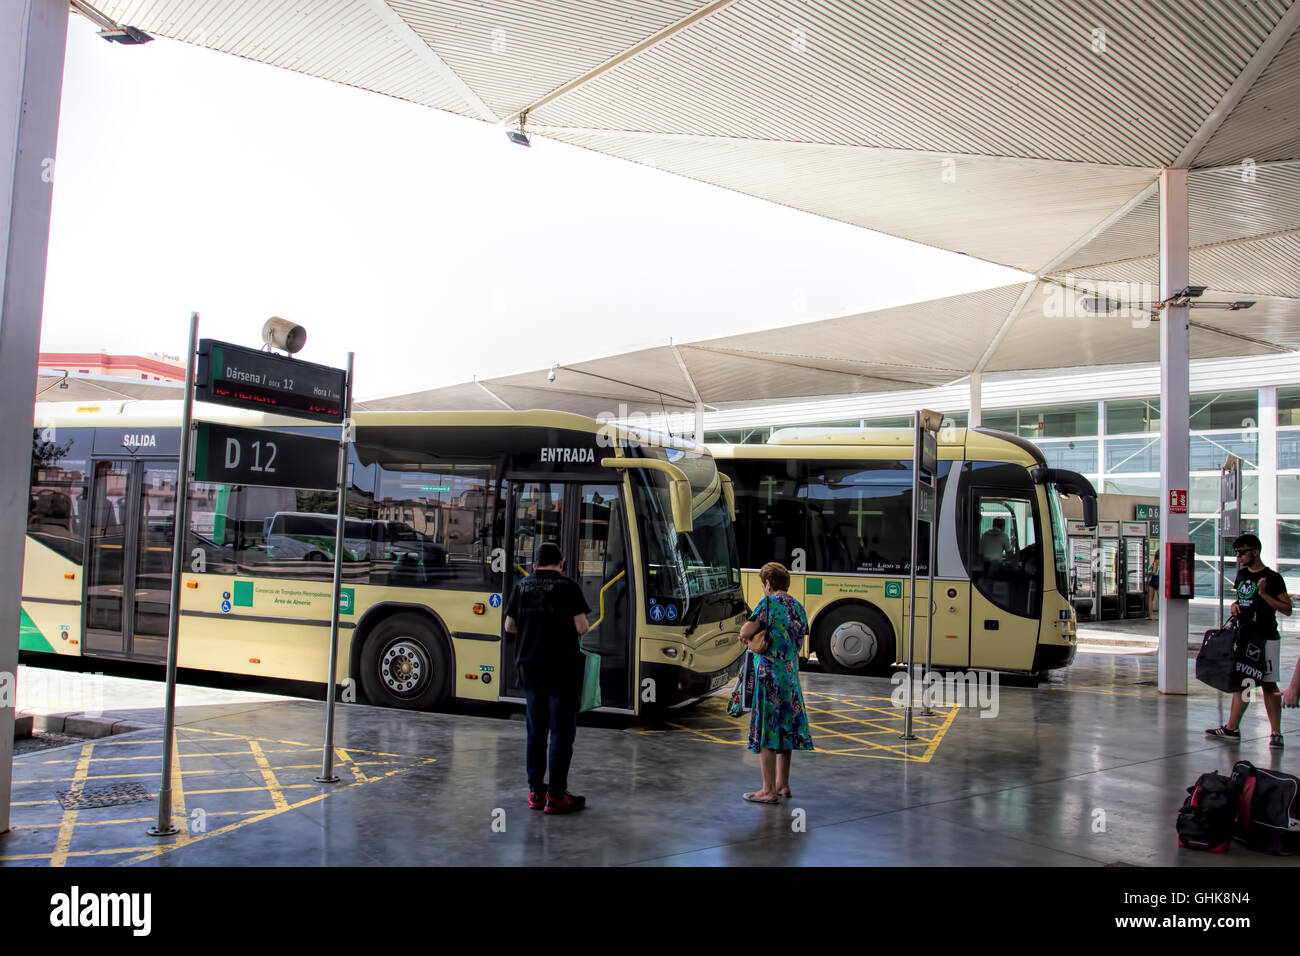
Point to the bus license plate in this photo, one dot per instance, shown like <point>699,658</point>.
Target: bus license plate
<point>717,682</point>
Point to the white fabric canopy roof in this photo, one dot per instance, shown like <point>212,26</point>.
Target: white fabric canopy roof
<point>1029,135</point>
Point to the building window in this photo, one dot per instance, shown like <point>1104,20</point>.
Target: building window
<point>1288,449</point>
<point>1288,406</point>
<point>1133,415</point>
<point>1045,421</point>
<point>1288,494</point>
<point>1080,456</point>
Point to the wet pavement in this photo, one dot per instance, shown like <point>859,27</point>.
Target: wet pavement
<point>1087,768</point>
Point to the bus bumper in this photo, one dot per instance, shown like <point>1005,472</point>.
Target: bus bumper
<point>676,686</point>
<point>1052,656</point>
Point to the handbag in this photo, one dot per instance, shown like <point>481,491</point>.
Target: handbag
<point>762,640</point>
<point>742,695</point>
<point>590,680</point>
<point>1216,661</point>
<point>1249,651</point>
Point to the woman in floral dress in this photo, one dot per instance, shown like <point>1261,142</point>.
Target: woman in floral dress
<point>778,724</point>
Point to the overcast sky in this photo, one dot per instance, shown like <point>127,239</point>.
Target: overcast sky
<point>425,242</point>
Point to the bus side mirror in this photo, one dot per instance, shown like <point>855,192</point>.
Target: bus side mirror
<point>679,487</point>
<point>729,492</point>
<point>1089,511</point>
<point>681,496</point>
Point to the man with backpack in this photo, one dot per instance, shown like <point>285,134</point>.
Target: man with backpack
<point>1261,596</point>
<point>548,613</point>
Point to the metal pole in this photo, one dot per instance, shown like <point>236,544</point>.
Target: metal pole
<point>327,774</point>
<point>929,618</point>
<point>911,618</point>
<point>164,826</point>
<point>1218,585</point>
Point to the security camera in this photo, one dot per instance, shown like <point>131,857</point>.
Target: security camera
<point>282,334</point>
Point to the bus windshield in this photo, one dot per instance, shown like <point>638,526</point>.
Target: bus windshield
<point>1059,546</point>
<point>684,566</point>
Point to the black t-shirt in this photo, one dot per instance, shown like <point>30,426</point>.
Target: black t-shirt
<point>546,650</point>
<point>1253,608</point>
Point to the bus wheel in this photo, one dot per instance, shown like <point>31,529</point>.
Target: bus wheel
<point>855,640</point>
<point>405,663</point>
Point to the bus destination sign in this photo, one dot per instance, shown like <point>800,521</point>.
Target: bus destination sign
<point>250,378</point>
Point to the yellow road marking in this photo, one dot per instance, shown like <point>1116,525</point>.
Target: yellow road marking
<point>178,796</point>
<point>387,765</point>
<point>158,851</point>
<point>857,718</point>
<point>158,773</point>
<point>272,784</point>
<point>117,820</point>
<point>69,822</point>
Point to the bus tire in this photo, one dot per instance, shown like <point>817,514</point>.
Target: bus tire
<point>855,639</point>
<point>406,663</point>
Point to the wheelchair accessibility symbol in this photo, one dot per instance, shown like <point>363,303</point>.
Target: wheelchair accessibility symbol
<point>657,612</point>
<point>225,607</point>
<point>495,600</point>
<point>672,612</point>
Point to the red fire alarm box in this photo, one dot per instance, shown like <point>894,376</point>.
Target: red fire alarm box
<point>1179,571</point>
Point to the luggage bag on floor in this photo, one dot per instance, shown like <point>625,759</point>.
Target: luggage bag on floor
<point>1208,815</point>
<point>1267,806</point>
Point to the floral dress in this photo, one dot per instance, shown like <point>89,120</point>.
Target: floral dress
<point>778,720</point>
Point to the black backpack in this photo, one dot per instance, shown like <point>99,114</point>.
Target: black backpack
<point>1267,808</point>
<point>1206,820</point>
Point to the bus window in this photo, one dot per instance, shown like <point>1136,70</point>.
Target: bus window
<point>770,525</point>
<point>860,517</point>
<point>435,524</point>
<point>1006,560</point>
<point>56,514</point>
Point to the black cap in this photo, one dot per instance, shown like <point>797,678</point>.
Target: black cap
<point>1247,541</point>
<point>548,555</point>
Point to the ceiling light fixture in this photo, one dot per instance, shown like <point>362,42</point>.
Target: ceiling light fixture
<point>109,28</point>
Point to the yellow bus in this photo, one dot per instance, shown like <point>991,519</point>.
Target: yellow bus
<point>834,505</point>
<point>444,514</point>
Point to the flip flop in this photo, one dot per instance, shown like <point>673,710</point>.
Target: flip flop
<point>787,794</point>
<point>752,799</point>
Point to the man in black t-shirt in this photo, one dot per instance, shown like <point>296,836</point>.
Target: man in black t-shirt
<point>1261,596</point>
<point>548,615</point>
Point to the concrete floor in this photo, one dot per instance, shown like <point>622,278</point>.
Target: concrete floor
<point>1088,768</point>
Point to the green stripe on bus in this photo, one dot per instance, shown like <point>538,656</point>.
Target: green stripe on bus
<point>30,637</point>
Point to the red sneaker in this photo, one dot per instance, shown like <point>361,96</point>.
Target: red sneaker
<point>566,804</point>
<point>536,801</point>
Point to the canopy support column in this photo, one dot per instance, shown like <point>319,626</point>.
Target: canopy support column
<point>976,399</point>
<point>33,34</point>
<point>1175,384</point>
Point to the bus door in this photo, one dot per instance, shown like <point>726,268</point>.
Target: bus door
<point>1006,573</point>
<point>129,564</point>
<point>589,523</point>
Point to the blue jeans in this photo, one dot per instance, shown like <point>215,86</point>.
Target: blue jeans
<point>556,716</point>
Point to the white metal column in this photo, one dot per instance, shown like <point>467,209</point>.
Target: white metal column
<point>1268,475</point>
<point>32,38</point>
<point>976,399</point>
<point>1175,437</point>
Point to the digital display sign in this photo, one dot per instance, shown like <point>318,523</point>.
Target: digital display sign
<point>250,378</point>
